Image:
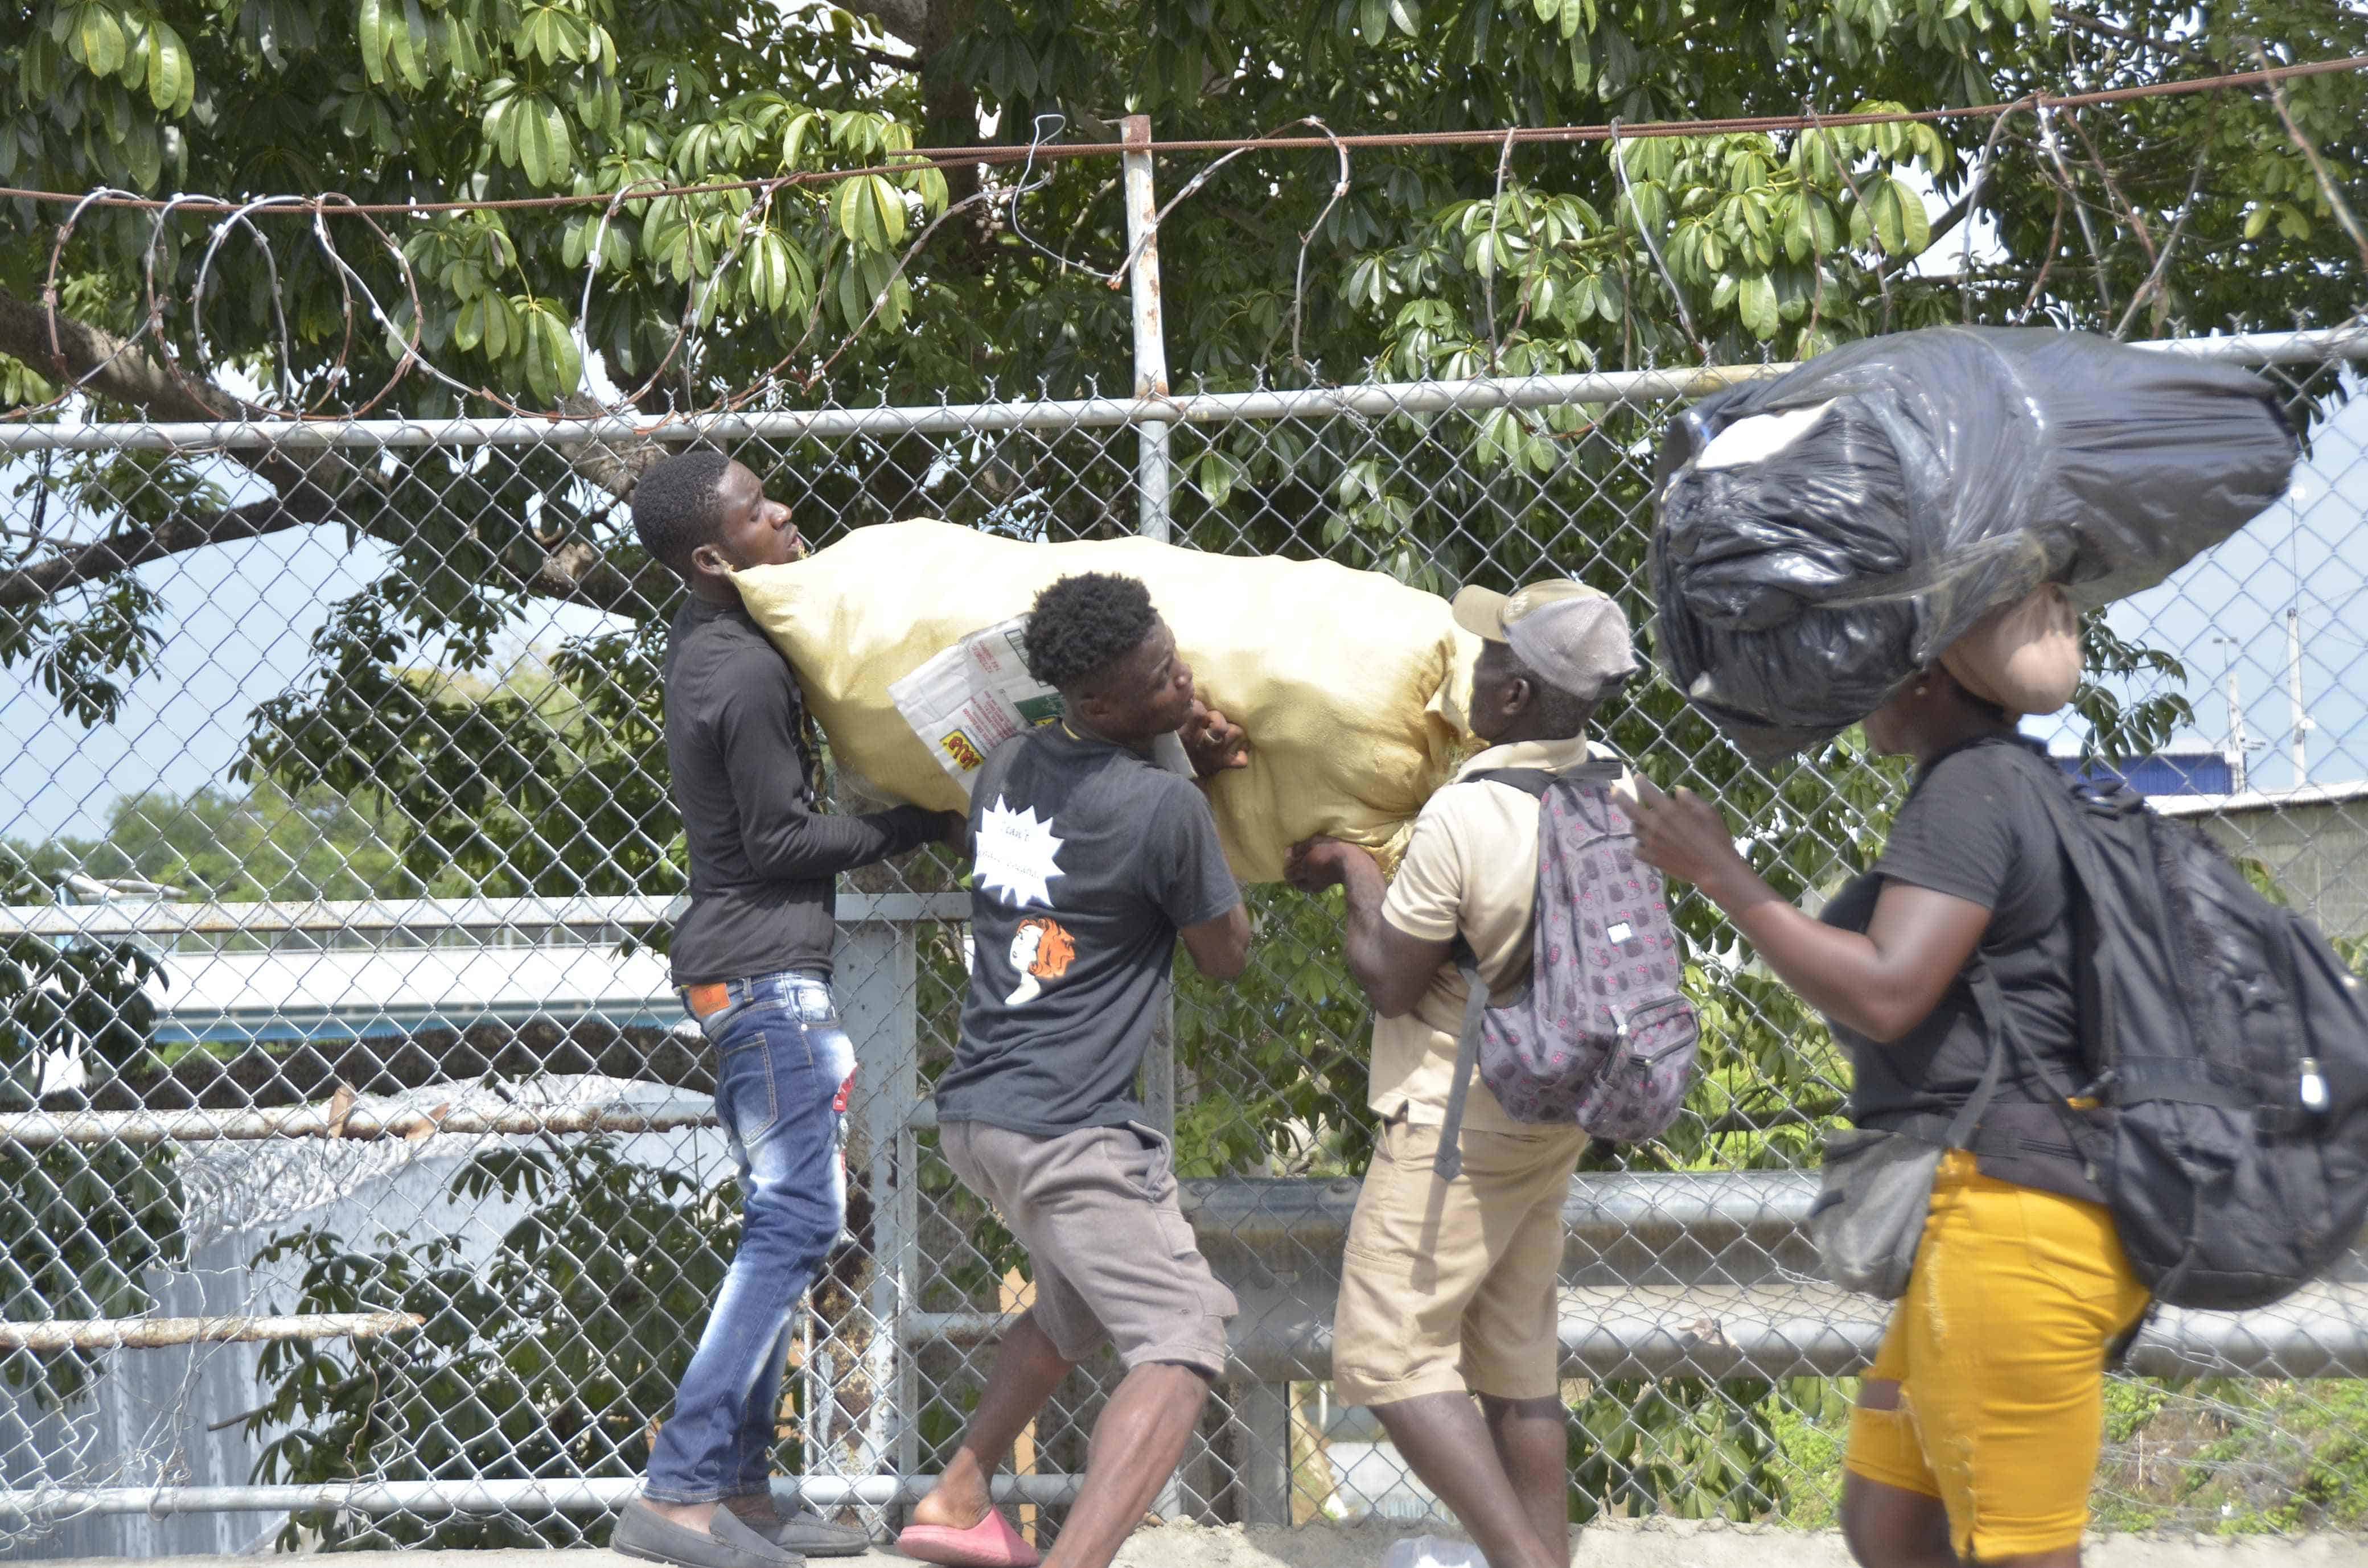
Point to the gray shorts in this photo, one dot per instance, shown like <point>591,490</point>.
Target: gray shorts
<point>1113,1258</point>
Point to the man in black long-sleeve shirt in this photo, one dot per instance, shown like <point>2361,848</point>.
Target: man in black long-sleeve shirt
<point>753,961</point>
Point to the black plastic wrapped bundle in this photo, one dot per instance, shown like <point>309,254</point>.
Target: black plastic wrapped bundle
<point>1809,564</point>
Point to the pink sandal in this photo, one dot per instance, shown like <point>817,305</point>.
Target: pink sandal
<point>990,1543</point>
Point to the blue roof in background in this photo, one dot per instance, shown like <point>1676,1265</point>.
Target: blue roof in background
<point>2200,771</point>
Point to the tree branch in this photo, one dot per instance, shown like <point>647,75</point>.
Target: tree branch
<point>907,20</point>
<point>614,466</point>
<point>98,362</point>
<point>2107,29</point>
<point>320,487</point>
<point>580,574</point>
<point>948,106</point>
<point>73,565</point>
<point>1940,229</point>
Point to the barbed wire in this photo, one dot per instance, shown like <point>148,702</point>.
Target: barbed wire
<point>303,400</point>
<point>944,157</point>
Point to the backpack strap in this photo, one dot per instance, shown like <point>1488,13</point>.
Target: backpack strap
<point>1961,1130</point>
<point>2095,999</point>
<point>2098,997</point>
<point>1531,781</point>
<point>1447,1164</point>
<point>1990,1001</point>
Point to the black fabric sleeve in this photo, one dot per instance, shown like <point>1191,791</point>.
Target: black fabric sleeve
<point>1958,833</point>
<point>756,711</point>
<point>1185,871</point>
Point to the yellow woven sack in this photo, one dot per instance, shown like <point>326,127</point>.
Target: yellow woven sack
<point>1351,684</point>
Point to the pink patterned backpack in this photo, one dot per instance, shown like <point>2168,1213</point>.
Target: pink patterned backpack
<point>1602,1036</point>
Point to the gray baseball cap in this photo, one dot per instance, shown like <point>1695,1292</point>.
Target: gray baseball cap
<point>1575,638</point>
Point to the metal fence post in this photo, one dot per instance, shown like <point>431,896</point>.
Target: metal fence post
<point>1264,1411</point>
<point>1150,480</point>
<point>1150,336</point>
<point>860,1390</point>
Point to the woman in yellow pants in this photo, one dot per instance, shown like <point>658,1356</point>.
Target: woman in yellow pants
<point>1977,1428</point>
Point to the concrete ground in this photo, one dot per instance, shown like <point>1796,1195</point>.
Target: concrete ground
<point>1651,1543</point>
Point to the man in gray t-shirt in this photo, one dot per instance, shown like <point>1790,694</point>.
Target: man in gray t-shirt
<point>1092,863</point>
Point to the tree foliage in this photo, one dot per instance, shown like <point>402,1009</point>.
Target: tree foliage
<point>554,1356</point>
<point>79,1224</point>
<point>234,845</point>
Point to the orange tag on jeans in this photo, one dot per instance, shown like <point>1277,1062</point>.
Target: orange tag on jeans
<point>707,999</point>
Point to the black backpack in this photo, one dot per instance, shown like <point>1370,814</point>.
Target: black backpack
<point>2227,1048</point>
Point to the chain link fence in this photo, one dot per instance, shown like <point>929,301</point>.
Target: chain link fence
<point>358,1178</point>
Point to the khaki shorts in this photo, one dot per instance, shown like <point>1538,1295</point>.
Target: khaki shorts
<point>1450,1286</point>
<point>1113,1258</point>
<point>1999,1349</point>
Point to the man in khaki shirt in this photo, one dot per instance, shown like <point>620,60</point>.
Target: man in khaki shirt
<point>1448,1288</point>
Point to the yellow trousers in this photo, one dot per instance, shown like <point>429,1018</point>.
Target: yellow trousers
<point>1999,1349</point>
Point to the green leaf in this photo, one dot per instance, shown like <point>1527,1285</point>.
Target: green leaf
<point>407,46</point>
<point>893,219</point>
<point>852,300</point>
<point>533,145</point>
<point>554,366</point>
<point>871,213</point>
<point>770,271</point>
<point>794,138</point>
<point>1915,224</point>
<point>850,207</point>
<point>1648,207</point>
<point>1755,302</point>
<point>1216,476</point>
<point>1883,213</point>
<point>559,144</point>
<point>172,79</point>
<point>369,32</point>
<point>1829,222</point>
<point>144,155</point>
<point>469,326</point>
<point>1800,229</point>
<point>99,42</point>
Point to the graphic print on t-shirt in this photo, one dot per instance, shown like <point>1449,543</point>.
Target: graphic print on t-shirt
<point>1041,950</point>
<point>1107,856</point>
<point>1017,856</point>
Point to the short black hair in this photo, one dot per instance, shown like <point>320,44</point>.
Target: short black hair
<point>1082,625</point>
<point>676,508</point>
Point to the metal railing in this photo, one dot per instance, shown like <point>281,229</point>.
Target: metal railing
<point>506,1162</point>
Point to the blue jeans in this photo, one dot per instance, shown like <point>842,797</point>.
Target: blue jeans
<point>784,1068</point>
